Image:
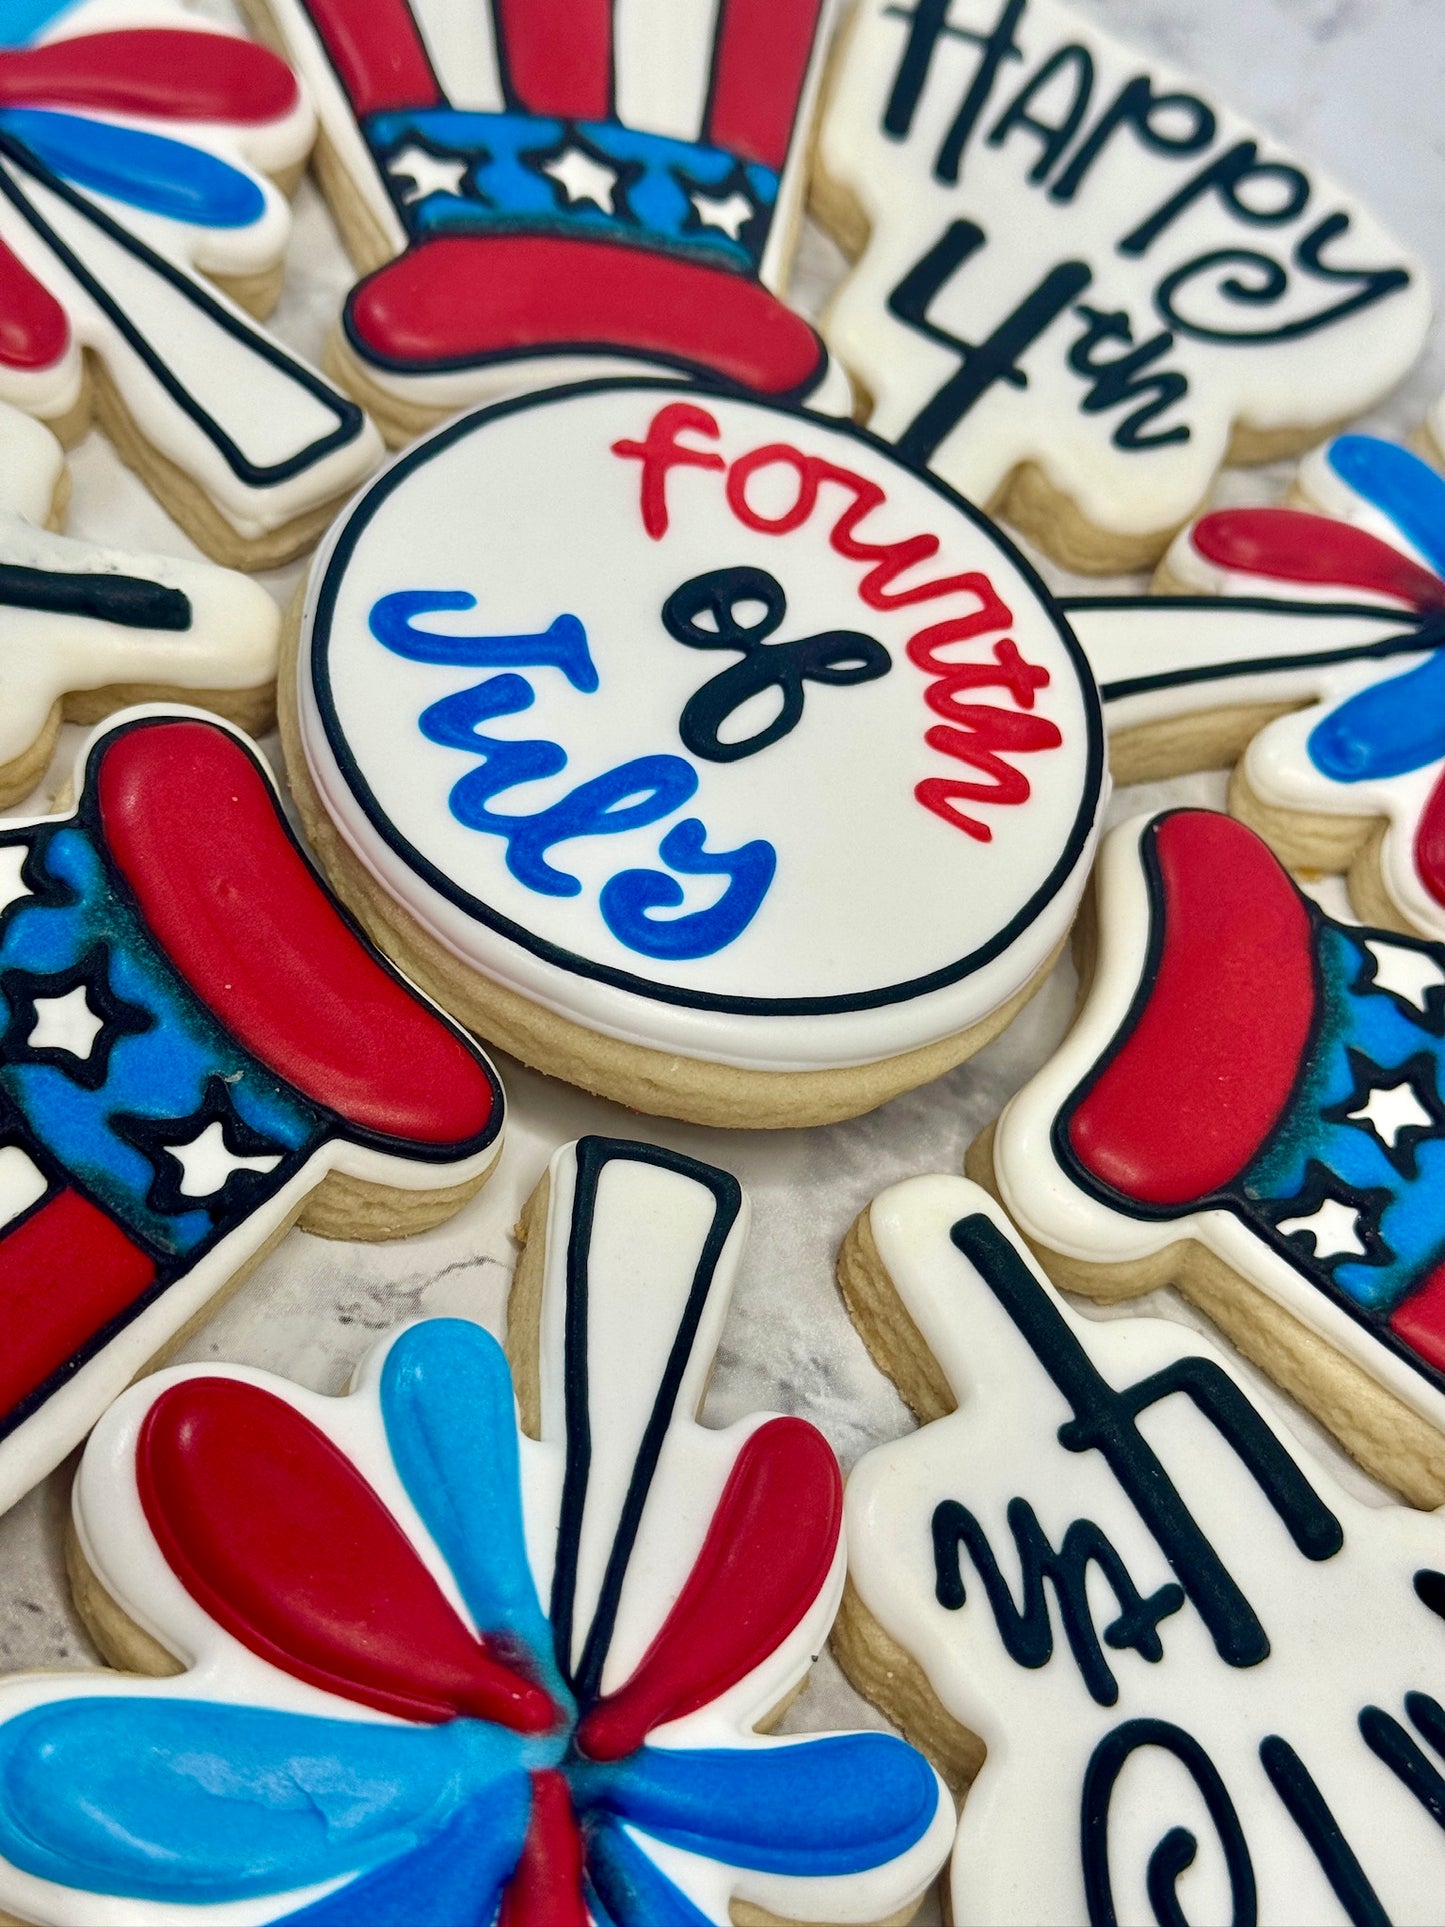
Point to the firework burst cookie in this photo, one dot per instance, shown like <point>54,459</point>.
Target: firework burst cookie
<point>1249,1106</point>
<point>450,1666</point>
<point>1206,1676</point>
<point>197,1048</point>
<point>1354,782</point>
<point>695,750</point>
<point>135,151</point>
<point>88,629</point>
<point>538,189</point>
<point>1082,285</point>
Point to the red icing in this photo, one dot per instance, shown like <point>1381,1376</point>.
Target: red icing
<point>34,332</point>
<point>1420,1320</point>
<point>378,53</point>
<point>66,1271</point>
<point>759,66</point>
<point>546,1889</point>
<point>1430,843</point>
<point>276,1534</point>
<point>1288,545</point>
<point>465,297</point>
<point>196,831</point>
<point>662,451</point>
<point>557,55</point>
<point>764,1561</point>
<point>1207,1066</point>
<point>165,73</point>
<point>984,733</point>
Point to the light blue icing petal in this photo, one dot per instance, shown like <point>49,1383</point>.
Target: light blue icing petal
<point>838,1805</point>
<point>446,1397</point>
<point>194,1800</point>
<point>1400,485</point>
<point>455,1880</point>
<point>148,171</point>
<point>1386,729</point>
<point>630,1887</point>
<point>21,20</point>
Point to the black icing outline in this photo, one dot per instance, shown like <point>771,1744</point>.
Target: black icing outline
<point>338,559</point>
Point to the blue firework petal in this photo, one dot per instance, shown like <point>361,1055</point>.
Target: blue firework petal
<point>837,1805</point>
<point>446,1397</point>
<point>1385,729</point>
<point>148,171</point>
<point>168,1799</point>
<point>1400,485</point>
<point>632,1889</point>
<point>454,1880</point>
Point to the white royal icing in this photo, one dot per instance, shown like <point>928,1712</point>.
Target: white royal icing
<point>1328,1579</point>
<point>1115,280</point>
<point>892,925</point>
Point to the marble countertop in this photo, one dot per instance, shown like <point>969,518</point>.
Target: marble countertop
<point>1356,84</point>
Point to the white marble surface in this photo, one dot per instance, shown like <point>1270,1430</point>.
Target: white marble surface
<point>1355,83</point>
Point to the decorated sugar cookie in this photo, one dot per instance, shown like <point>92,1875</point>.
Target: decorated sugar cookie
<point>452,1672</point>
<point>1249,1106</point>
<point>87,629</point>
<point>696,750</point>
<point>134,154</point>
<point>196,1049</point>
<point>1207,1677</point>
<point>1082,285</point>
<point>538,189</point>
<point>1353,782</point>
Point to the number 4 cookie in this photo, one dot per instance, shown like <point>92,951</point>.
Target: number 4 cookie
<point>457,1669</point>
<point>1207,1677</point>
<point>1249,1106</point>
<point>197,1049</point>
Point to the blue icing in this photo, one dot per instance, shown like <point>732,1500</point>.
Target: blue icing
<point>451,1423</point>
<point>1387,729</point>
<point>174,1799</point>
<point>838,1805</point>
<point>146,171</point>
<point>160,1072</point>
<point>1372,1027</point>
<point>21,20</point>
<point>1400,485</point>
<point>629,1887</point>
<point>628,898</point>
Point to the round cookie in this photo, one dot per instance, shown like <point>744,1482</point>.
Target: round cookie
<point>806,767</point>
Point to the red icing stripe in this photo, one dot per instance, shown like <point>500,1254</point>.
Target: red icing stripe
<point>66,1271</point>
<point>1420,1321</point>
<point>1287,545</point>
<point>273,1530</point>
<point>378,53</point>
<point>764,1561</point>
<point>197,833</point>
<point>164,73</point>
<point>546,1889</point>
<point>761,62</point>
<point>34,332</point>
<point>465,298</point>
<point>557,55</point>
<point>1430,843</point>
<point>1207,1066</point>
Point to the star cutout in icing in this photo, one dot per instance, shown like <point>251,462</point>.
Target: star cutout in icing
<point>1334,1228</point>
<point>207,1161</point>
<point>731,215</point>
<point>583,179</point>
<point>1390,1109</point>
<point>428,173</point>
<point>66,1023</point>
<point>12,857</point>
<point>1408,974</point>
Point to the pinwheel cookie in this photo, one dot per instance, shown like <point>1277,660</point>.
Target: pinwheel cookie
<point>135,151</point>
<point>89,629</point>
<point>1249,1106</point>
<point>196,1049</point>
<point>1207,1677</point>
<point>455,1669</point>
<point>537,189</point>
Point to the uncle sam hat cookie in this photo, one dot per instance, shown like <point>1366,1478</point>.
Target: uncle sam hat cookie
<point>695,750</point>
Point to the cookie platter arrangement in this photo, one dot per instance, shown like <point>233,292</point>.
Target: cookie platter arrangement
<point>721,764</point>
